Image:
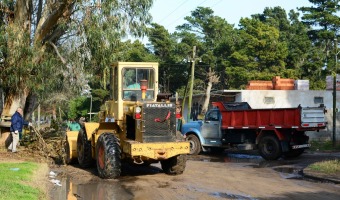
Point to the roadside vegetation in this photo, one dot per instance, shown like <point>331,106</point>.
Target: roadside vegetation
<point>17,181</point>
<point>324,146</point>
<point>331,167</point>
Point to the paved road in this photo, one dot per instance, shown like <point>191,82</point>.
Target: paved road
<point>225,176</point>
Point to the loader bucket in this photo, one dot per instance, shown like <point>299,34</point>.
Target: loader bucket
<point>71,151</point>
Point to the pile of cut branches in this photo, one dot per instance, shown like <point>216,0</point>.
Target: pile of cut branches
<point>47,143</point>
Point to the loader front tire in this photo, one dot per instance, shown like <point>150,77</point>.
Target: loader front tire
<point>174,165</point>
<point>84,149</point>
<point>108,156</point>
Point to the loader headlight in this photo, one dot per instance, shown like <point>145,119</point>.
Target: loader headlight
<point>138,109</point>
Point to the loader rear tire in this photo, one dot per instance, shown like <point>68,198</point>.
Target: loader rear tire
<point>270,147</point>
<point>108,156</point>
<point>84,151</point>
<point>174,165</point>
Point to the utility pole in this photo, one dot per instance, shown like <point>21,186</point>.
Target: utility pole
<point>334,92</point>
<point>193,60</point>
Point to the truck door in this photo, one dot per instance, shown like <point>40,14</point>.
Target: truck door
<point>211,128</point>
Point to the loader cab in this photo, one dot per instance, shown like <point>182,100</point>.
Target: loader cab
<point>132,79</point>
<point>127,79</point>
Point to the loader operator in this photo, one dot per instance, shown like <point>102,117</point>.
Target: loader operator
<point>73,125</point>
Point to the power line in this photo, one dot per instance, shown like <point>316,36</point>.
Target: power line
<point>185,1</point>
<point>185,13</point>
<point>216,4</point>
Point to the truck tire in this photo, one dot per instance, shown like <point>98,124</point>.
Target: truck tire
<point>84,149</point>
<point>270,148</point>
<point>174,165</point>
<point>195,145</point>
<point>108,156</point>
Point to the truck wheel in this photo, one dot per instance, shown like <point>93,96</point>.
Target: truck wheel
<point>84,149</point>
<point>293,153</point>
<point>174,165</point>
<point>108,156</point>
<point>270,148</point>
<point>195,145</point>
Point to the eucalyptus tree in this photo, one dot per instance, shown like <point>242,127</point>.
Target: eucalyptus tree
<point>48,44</point>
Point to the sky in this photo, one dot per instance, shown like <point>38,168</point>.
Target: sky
<point>171,13</point>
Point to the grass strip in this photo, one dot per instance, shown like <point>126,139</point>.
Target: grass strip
<point>14,181</point>
<point>328,167</point>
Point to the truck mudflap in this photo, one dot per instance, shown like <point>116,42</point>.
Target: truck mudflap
<point>301,146</point>
<point>156,151</point>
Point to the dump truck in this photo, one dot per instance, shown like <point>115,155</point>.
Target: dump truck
<point>133,126</point>
<point>274,132</point>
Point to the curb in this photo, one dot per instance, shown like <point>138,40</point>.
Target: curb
<point>308,173</point>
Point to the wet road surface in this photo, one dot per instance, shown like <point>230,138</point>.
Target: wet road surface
<point>231,175</point>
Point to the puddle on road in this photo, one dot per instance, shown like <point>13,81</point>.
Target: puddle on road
<point>230,157</point>
<point>289,172</point>
<point>221,195</point>
<point>90,191</point>
<point>230,196</point>
<point>255,161</point>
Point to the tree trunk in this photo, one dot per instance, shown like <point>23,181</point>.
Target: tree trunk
<point>212,79</point>
<point>30,106</point>
<point>1,101</point>
<point>19,29</point>
<point>207,98</point>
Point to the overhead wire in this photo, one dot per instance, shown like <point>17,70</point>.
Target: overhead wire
<point>185,1</point>
<point>185,14</point>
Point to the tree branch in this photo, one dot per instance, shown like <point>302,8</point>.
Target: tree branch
<point>57,51</point>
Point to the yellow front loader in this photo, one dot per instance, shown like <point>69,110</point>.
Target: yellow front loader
<point>134,127</point>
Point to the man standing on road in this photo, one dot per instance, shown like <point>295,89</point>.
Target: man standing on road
<point>17,122</point>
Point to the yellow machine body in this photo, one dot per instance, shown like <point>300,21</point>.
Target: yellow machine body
<point>121,118</point>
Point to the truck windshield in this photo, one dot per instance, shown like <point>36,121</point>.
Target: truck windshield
<point>131,83</point>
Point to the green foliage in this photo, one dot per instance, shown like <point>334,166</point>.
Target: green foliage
<point>170,54</point>
<point>13,177</point>
<point>78,52</point>
<point>323,18</point>
<point>78,107</point>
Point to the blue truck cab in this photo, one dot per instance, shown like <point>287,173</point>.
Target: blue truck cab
<point>204,134</point>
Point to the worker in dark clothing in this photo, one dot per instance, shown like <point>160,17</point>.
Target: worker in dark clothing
<point>17,122</point>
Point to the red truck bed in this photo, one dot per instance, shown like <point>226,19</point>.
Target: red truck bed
<point>264,118</point>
